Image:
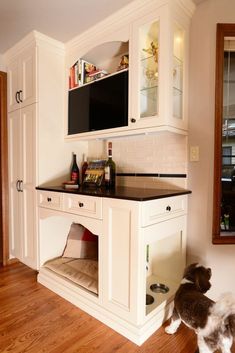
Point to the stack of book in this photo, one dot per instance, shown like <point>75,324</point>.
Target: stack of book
<point>84,72</point>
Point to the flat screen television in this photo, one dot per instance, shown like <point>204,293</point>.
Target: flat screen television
<point>102,104</point>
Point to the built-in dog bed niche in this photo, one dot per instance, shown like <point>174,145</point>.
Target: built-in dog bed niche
<point>79,261</point>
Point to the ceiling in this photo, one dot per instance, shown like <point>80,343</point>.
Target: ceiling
<point>59,19</point>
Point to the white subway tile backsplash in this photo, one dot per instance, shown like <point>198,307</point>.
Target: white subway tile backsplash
<point>164,152</point>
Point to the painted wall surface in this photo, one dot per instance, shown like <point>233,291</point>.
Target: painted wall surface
<point>221,258</point>
<point>2,64</point>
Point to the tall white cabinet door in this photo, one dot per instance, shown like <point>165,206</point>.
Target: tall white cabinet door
<point>28,194</point>
<point>13,95</point>
<point>120,229</point>
<point>23,244</point>
<point>14,127</point>
<point>27,73</point>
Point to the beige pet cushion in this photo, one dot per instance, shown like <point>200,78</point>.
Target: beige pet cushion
<point>83,272</point>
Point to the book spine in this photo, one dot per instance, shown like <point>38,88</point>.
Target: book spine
<point>76,74</point>
<point>72,77</point>
<point>80,72</point>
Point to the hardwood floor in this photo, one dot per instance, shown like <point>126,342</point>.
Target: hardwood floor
<point>34,320</point>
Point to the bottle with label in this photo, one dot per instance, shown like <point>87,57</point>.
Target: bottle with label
<point>110,169</point>
<point>84,167</point>
<point>74,170</point>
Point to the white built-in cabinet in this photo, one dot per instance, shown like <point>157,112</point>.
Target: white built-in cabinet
<point>140,243</point>
<point>156,37</point>
<point>22,111</point>
<point>36,150</point>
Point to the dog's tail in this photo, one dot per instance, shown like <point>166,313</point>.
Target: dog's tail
<point>223,311</point>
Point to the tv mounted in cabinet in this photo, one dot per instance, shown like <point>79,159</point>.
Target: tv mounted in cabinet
<point>102,104</point>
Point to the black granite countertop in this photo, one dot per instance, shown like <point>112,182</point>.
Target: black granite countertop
<point>120,192</point>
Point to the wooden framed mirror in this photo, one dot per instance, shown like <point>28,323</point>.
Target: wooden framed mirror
<point>224,150</point>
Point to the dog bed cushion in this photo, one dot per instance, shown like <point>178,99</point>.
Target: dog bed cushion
<point>83,272</point>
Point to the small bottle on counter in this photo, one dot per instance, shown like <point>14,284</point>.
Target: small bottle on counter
<point>110,169</point>
<point>74,176</point>
<point>84,167</point>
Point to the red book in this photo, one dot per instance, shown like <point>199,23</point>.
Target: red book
<point>72,77</point>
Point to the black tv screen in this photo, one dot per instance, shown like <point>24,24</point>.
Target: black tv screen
<point>102,104</point>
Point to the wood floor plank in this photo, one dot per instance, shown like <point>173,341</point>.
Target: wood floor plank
<point>33,319</point>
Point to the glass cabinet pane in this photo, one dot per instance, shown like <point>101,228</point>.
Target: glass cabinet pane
<point>148,46</point>
<point>178,74</point>
<point>227,220</point>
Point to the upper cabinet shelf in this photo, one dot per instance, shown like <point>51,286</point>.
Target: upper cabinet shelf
<point>154,38</point>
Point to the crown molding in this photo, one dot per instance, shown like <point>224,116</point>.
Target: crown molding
<point>34,38</point>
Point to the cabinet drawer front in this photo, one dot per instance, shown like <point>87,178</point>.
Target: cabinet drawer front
<point>162,209</point>
<point>83,205</point>
<point>53,200</point>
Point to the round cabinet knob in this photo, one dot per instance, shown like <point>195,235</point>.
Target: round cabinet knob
<point>80,204</point>
<point>168,208</point>
<point>133,120</point>
<point>49,199</point>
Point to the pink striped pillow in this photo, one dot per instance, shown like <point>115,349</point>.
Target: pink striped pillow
<point>81,243</point>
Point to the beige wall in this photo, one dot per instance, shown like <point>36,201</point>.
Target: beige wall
<point>201,132</point>
<point>2,65</point>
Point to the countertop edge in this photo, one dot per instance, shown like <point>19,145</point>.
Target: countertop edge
<point>115,194</point>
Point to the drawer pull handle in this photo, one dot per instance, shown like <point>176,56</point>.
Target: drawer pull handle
<point>80,204</point>
<point>49,199</point>
<point>168,208</point>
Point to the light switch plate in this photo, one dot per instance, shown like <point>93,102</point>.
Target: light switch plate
<point>194,153</point>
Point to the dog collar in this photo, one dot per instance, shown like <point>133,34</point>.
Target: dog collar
<point>185,280</point>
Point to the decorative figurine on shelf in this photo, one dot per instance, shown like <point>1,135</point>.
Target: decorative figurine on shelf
<point>153,50</point>
<point>89,67</point>
<point>124,63</point>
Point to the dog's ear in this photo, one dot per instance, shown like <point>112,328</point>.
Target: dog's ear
<point>199,275</point>
<point>202,278</point>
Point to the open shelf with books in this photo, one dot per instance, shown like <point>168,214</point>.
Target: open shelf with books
<point>104,60</point>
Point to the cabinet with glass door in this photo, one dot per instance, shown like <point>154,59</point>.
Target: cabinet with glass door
<point>159,58</point>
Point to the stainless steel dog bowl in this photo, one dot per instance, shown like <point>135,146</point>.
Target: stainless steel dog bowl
<point>149,299</point>
<point>159,288</point>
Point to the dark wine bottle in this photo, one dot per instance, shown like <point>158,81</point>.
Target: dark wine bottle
<point>84,167</point>
<point>75,170</point>
<point>110,169</point>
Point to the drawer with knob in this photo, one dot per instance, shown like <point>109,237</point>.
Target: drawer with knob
<point>83,205</point>
<point>162,209</point>
<point>50,199</point>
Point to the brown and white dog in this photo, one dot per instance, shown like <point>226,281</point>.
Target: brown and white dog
<point>214,323</point>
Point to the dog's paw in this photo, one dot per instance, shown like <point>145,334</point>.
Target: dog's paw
<point>173,327</point>
<point>170,329</point>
